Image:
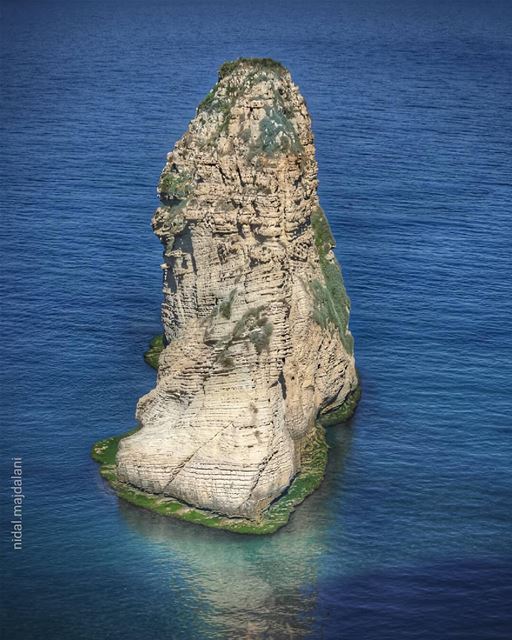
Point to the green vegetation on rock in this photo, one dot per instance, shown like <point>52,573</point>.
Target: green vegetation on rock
<point>260,63</point>
<point>152,355</point>
<point>342,413</point>
<point>314,461</point>
<point>207,101</point>
<point>105,451</point>
<point>324,240</point>
<point>332,304</point>
<point>171,223</point>
<point>277,132</point>
<point>174,185</point>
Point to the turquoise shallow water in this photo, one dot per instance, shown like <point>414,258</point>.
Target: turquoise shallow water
<point>410,534</point>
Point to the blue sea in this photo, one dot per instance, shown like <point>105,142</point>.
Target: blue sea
<point>410,535</point>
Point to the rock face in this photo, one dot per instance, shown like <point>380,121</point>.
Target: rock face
<point>255,312</point>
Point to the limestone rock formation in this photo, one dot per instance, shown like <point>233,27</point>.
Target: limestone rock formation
<point>255,313</point>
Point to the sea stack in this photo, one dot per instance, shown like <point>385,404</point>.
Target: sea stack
<point>255,313</point>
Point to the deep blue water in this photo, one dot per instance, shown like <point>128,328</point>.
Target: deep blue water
<point>409,537</point>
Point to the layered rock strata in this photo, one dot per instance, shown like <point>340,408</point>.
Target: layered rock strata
<point>255,313</point>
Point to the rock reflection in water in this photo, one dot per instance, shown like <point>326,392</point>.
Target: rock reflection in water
<point>250,587</point>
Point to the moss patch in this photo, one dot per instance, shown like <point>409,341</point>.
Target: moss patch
<point>314,461</point>
<point>343,412</point>
<point>156,346</point>
<point>267,64</point>
<point>207,101</point>
<point>277,133</point>
<point>332,304</point>
<point>174,186</point>
<point>105,451</point>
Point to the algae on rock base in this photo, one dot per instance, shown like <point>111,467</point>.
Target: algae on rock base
<point>314,463</point>
<point>344,412</point>
<point>276,516</point>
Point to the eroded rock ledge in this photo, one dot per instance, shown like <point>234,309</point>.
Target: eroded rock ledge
<point>256,341</point>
